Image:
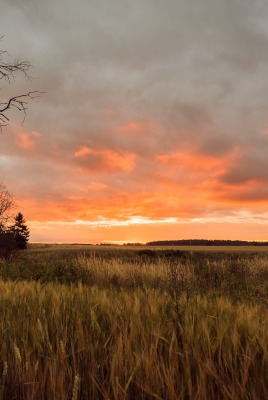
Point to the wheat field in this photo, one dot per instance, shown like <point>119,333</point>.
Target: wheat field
<point>111,326</point>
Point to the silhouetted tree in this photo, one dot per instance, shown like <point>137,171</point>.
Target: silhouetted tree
<point>8,72</point>
<point>6,204</point>
<point>20,231</point>
<point>7,240</point>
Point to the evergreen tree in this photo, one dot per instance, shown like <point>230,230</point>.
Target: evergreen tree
<point>21,232</point>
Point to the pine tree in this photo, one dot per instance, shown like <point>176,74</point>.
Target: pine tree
<point>21,232</point>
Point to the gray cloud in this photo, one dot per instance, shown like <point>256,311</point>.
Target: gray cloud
<point>251,166</point>
<point>144,77</point>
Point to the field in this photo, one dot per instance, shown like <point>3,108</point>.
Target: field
<point>97,322</point>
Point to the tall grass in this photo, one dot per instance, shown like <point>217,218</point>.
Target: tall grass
<point>235,275</point>
<point>135,325</point>
<point>67,342</point>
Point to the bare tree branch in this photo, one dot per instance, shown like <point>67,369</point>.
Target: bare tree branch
<point>17,102</point>
<point>8,72</point>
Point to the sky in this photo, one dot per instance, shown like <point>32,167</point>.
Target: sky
<point>154,124</point>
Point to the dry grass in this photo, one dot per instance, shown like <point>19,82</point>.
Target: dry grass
<point>62,342</point>
<point>139,326</point>
<point>95,248</point>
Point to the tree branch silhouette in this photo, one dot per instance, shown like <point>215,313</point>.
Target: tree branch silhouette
<point>8,72</point>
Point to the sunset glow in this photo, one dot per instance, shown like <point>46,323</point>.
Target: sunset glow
<point>154,125</point>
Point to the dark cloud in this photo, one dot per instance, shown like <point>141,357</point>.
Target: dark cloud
<point>249,167</point>
<point>218,145</point>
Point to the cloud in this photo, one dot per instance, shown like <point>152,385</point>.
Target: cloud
<point>97,186</point>
<point>92,159</point>
<point>24,141</point>
<point>191,161</point>
<point>250,166</point>
<point>153,109</point>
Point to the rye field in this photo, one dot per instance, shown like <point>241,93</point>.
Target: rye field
<point>96,322</point>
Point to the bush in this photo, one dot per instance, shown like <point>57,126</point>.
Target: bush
<point>7,244</point>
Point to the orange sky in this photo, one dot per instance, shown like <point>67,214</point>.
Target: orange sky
<point>154,122</point>
<point>82,194</point>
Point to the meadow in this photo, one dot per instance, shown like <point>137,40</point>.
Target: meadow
<point>97,322</point>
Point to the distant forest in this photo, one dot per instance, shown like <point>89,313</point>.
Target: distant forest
<point>205,242</point>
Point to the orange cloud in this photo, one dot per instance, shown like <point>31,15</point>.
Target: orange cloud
<point>191,160</point>
<point>130,127</point>
<point>83,151</point>
<point>24,141</point>
<point>106,159</point>
<point>98,186</point>
<point>129,195</point>
<point>136,127</point>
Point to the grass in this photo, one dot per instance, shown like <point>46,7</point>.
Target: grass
<point>132,324</point>
<point>237,275</point>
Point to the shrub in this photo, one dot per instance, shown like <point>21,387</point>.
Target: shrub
<point>7,244</point>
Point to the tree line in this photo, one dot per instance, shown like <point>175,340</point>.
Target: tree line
<point>205,242</point>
